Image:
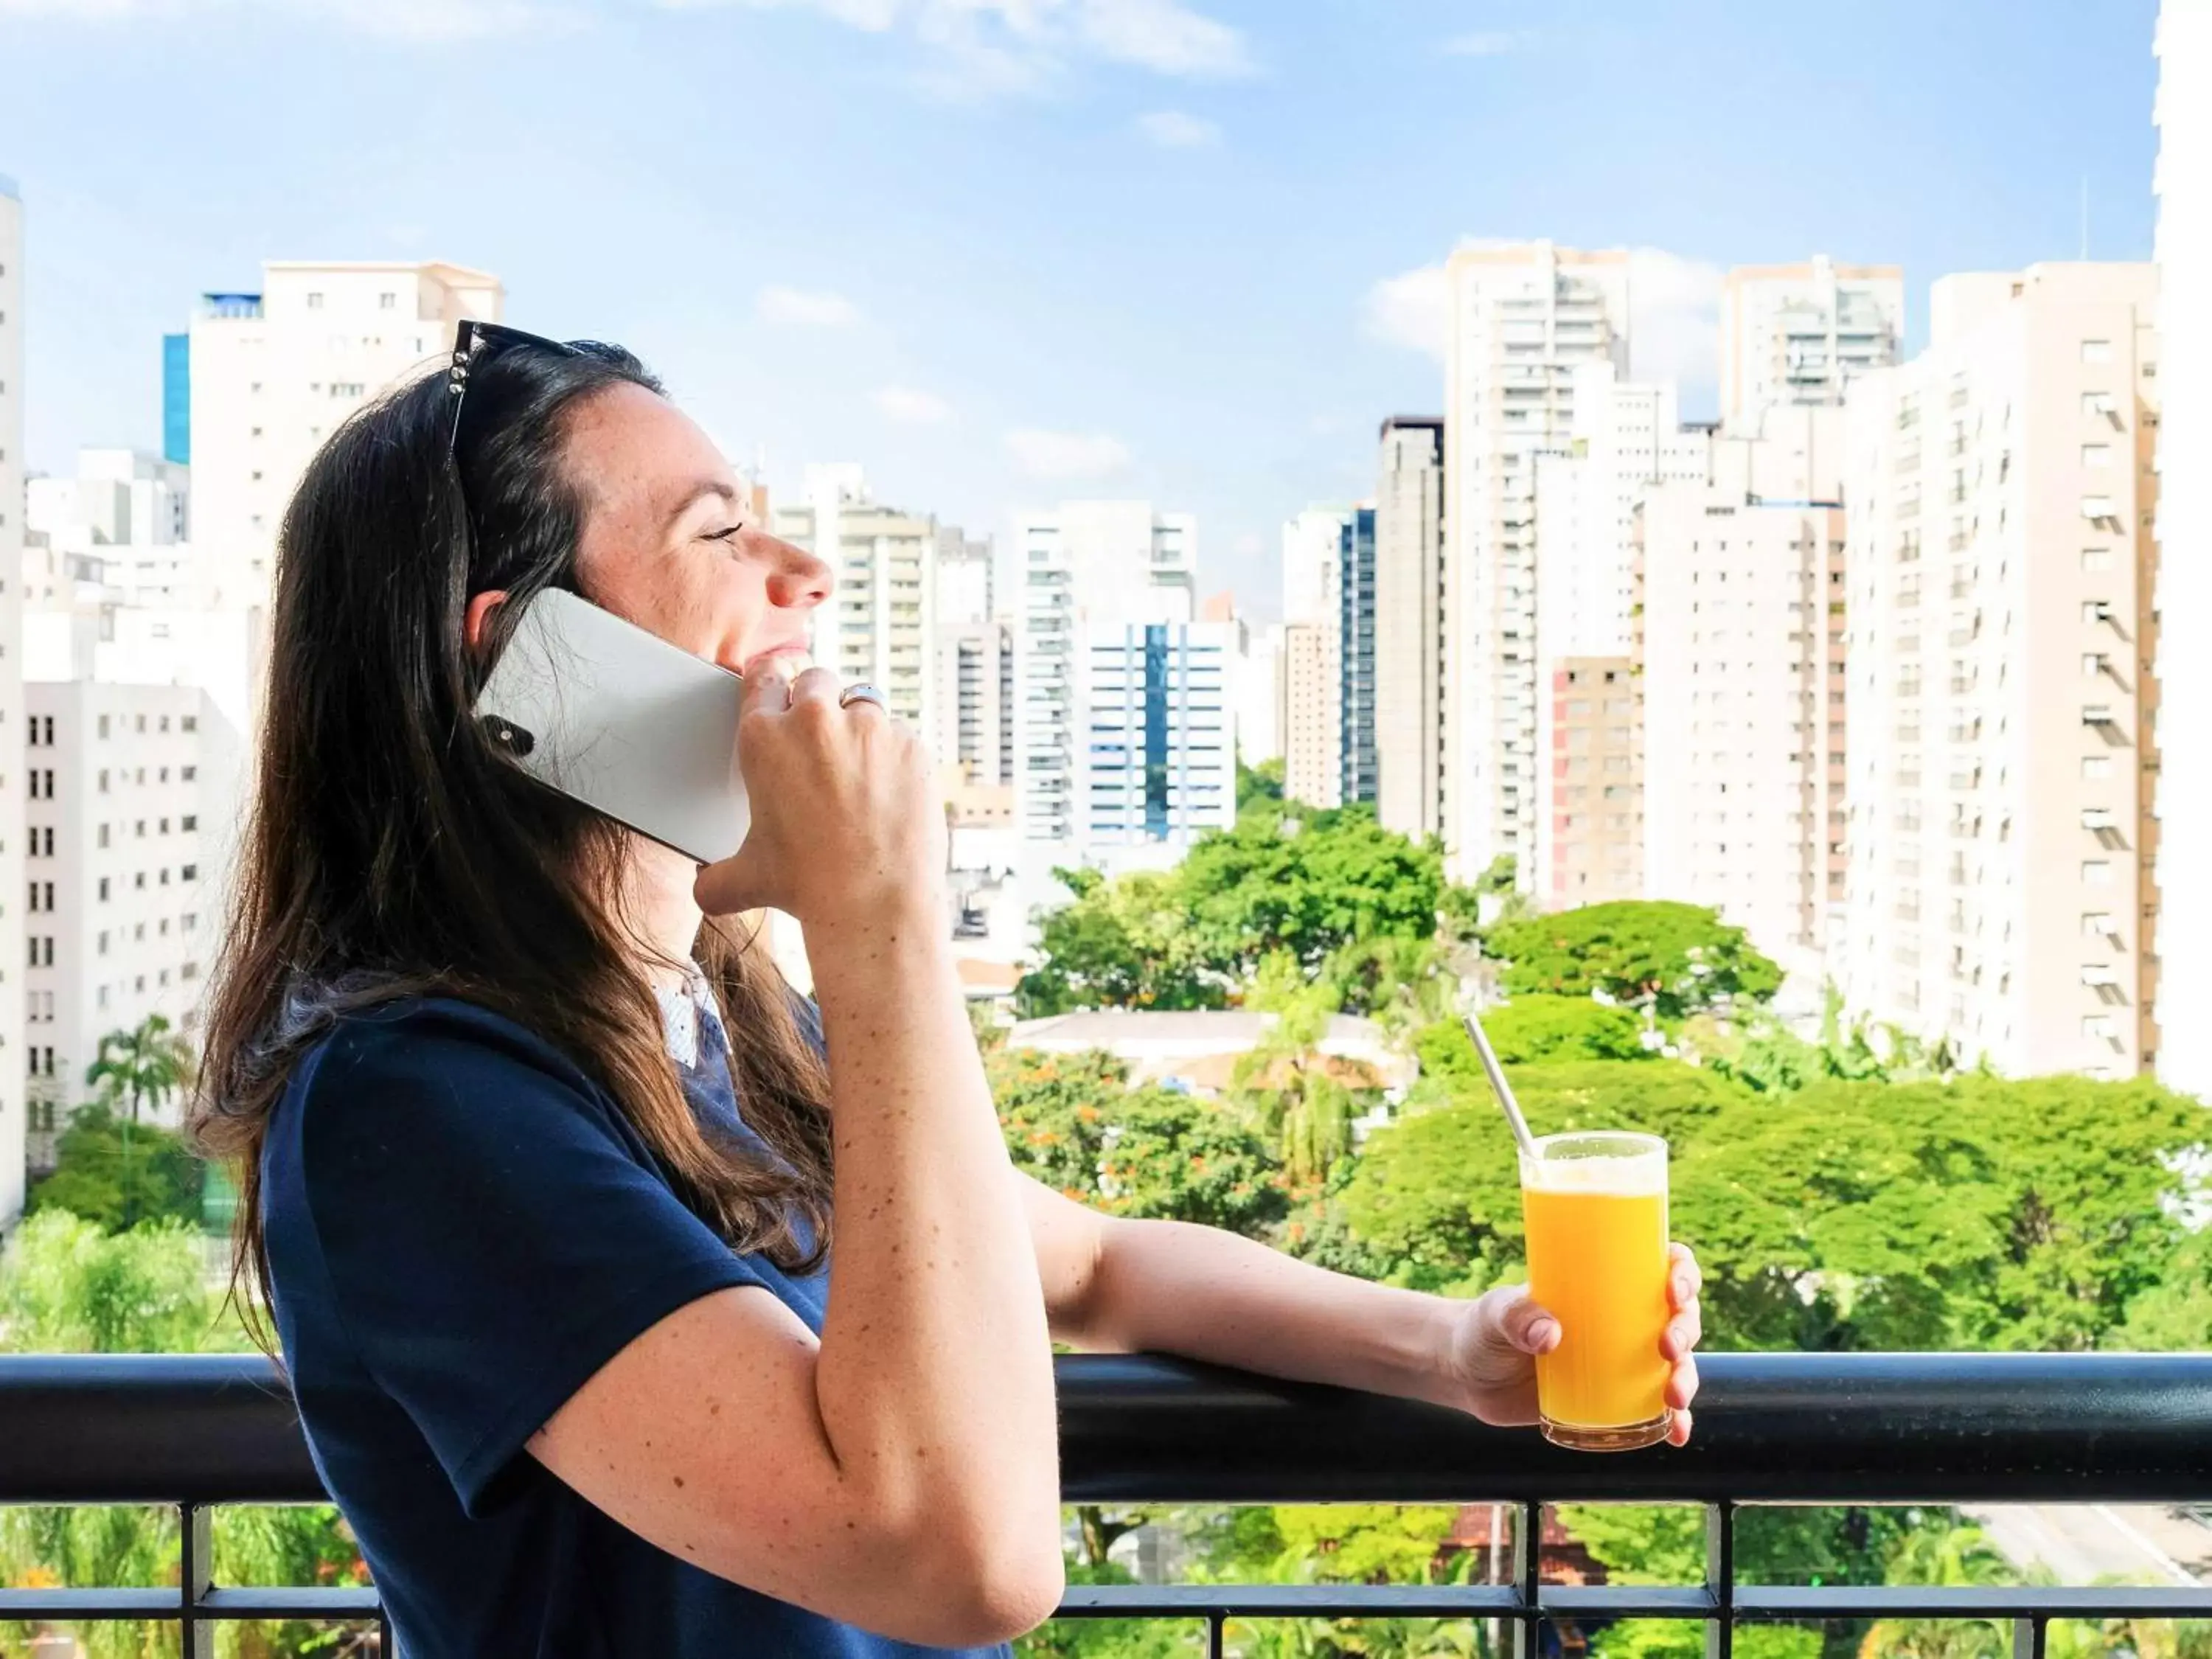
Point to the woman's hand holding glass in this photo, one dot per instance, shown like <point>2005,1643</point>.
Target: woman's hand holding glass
<point>1490,1362</point>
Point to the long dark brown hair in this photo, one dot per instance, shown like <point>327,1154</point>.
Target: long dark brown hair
<point>391,850</point>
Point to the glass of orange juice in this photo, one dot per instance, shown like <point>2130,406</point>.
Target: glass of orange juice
<point>1595,1206</point>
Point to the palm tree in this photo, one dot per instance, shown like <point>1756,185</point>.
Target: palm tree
<point>146,1063</point>
<point>1948,1557</point>
<point>1285,1080</point>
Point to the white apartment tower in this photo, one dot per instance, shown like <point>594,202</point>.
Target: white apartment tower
<point>15,758</point>
<point>880,625</point>
<point>273,373</point>
<point>972,666</point>
<point>1411,626</point>
<point>119,928</point>
<point>2002,567</point>
<point>1627,438</point>
<point>1312,662</point>
<point>1521,317</point>
<point>1160,728</point>
<point>1082,566</point>
<point>1799,335</point>
<point>1741,672</point>
<point>2183,595</point>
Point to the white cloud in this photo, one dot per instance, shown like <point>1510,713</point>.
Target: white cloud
<point>1172,129</point>
<point>1673,313</point>
<point>1408,310</point>
<point>1673,318</point>
<point>1067,455</point>
<point>1249,546</point>
<point>1163,35</point>
<point>1489,42</point>
<point>806,308</point>
<point>429,21</point>
<point>985,48</point>
<point>909,407</point>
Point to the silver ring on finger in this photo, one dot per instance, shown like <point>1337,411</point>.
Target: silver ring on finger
<point>863,692</point>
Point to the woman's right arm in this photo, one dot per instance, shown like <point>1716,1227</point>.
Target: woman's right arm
<point>902,1474</point>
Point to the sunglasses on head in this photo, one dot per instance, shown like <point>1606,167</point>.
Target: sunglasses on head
<point>476,345</point>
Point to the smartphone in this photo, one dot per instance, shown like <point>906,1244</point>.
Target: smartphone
<point>617,718</point>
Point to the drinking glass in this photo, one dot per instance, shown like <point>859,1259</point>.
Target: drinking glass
<point>1595,1205</point>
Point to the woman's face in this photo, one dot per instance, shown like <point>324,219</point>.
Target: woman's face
<point>669,539</point>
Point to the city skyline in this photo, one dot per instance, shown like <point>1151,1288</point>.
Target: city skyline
<point>897,259</point>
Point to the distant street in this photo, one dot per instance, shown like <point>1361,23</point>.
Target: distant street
<point>2086,1543</point>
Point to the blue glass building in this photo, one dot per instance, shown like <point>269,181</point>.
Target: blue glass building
<point>177,398</point>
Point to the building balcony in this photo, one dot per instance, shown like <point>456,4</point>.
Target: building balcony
<point>199,1433</point>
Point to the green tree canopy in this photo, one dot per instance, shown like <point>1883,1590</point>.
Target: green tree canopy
<point>1682,954</point>
<point>1071,1122</point>
<point>1343,898</point>
<point>113,1175</point>
<point>1534,1030</point>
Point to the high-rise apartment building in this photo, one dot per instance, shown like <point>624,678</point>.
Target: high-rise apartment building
<point>880,624</point>
<point>1521,317</point>
<point>1589,847</point>
<point>1357,765</point>
<point>1159,766</point>
<point>118,498</point>
<point>2183,592</point>
<point>117,923</point>
<point>1627,438</point>
<point>14,1065</point>
<point>2002,567</point>
<point>1410,626</point>
<point>1313,717</point>
<point>972,666</point>
<point>1084,565</point>
<point>1311,727</point>
<point>1739,640</point>
<point>271,374</point>
<point>1799,335</point>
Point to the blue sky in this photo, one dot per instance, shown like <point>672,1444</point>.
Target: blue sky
<point>1007,250</point>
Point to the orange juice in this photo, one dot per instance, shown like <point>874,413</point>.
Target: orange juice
<point>1596,1211</point>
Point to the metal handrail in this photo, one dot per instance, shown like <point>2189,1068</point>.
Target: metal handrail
<point>1935,1429</point>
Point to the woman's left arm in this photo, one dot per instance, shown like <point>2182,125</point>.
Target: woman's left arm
<point>1117,1286</point>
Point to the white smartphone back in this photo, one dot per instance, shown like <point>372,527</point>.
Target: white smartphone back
<point>617,718</point>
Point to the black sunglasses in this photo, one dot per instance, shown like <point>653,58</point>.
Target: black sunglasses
<point>475,344</point>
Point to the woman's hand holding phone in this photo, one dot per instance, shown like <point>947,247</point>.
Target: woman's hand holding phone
<point>848,824</point>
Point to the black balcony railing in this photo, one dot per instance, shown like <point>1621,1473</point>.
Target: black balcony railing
<point>199,1433</point>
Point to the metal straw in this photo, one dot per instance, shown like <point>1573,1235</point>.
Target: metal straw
<point>1499,1086</point>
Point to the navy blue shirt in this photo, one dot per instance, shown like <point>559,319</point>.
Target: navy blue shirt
<point>462,1228</point>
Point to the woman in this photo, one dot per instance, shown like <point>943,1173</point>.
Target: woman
<point>540,1158</point>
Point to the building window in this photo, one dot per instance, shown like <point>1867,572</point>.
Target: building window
<point>103,785</point>
<point>2096,872</point>
<point>103,942</point>
<point>314,302</point>
<point>2096,558</point>
<point>103,889</point>
<point>101,837</point>
<point>188,723</point>
<point>2096,765</point>
<point>2096,455</point>
<point>190,822</point>
<point>103,725</point>
<point>2096,351</point>
<point>190,872</point>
